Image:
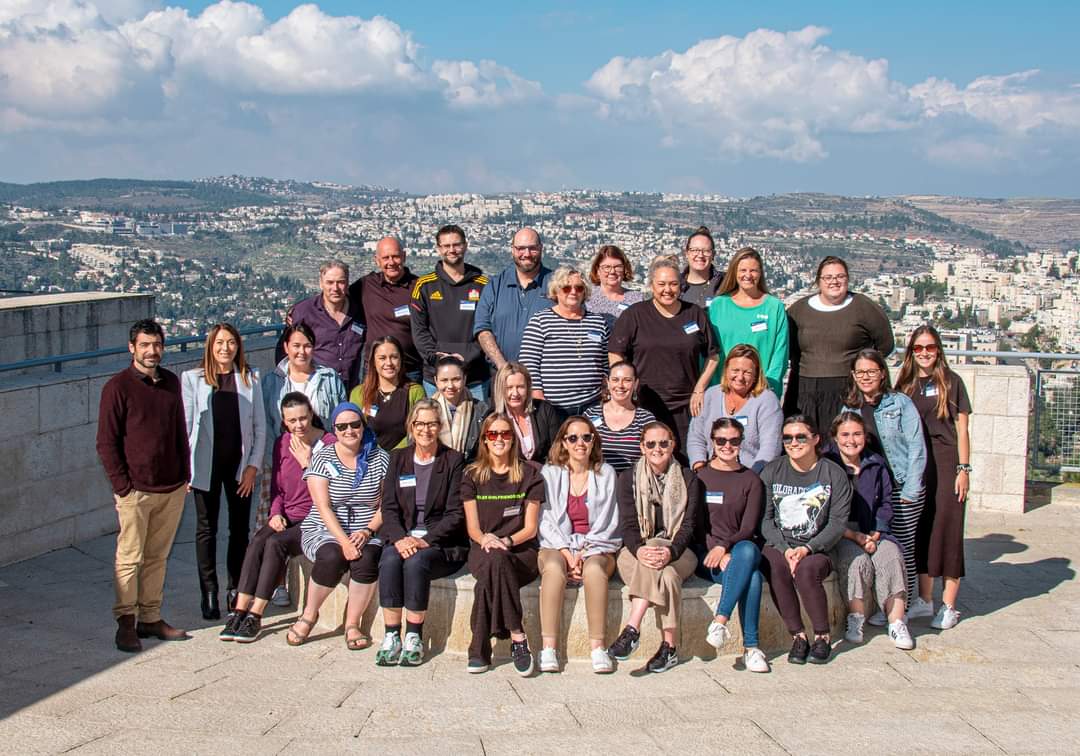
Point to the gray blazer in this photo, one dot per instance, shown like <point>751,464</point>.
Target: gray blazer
<point>200,424</point>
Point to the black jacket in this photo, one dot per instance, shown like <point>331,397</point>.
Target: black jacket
<point>444,515</point>
<point>546,422</point>
<point>442,320</point>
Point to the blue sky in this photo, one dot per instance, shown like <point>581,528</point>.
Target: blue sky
<point>735,98</point>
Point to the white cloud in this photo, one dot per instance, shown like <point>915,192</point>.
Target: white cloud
<point>483,84</point>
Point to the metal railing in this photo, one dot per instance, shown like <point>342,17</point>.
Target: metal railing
<point>1055,444</point>
<point>182,343</point>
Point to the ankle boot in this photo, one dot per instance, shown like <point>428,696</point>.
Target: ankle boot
<point>126,638</point>
<point>209,606</point>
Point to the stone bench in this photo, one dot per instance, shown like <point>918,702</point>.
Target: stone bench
<point>450,608</point>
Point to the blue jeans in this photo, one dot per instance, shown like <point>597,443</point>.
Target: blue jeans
<point>478,390</point>
<point>741,584</point>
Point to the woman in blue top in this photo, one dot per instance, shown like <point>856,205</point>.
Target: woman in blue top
<point>893,430</point>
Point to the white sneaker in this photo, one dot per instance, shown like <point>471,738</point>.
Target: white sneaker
<point>549,660</point>
<point>901,638</point>
<point>920,608</point>
<point>281,597</point>
<point>945,618</point>
<point>755,661</point>
<point>717,634</point>
<point>879,619</point>
<point>601,662</point>
<point>854,632</point>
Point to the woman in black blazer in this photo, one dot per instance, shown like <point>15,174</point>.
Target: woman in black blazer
<point>536,422</point>
<point>423,532</point>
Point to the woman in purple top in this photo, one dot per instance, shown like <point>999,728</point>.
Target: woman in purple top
<point>290,502</point>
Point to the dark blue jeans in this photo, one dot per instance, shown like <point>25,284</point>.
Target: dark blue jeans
<point>741,584</point>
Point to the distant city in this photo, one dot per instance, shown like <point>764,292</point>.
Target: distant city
<point>244,249</point>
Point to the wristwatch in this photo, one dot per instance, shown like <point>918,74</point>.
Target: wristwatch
<point>369,532</point>
<point>509,541</point>
<point>963,468</point>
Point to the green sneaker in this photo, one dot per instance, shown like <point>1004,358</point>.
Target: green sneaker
<point>412,655</point>
<point>390,651</point>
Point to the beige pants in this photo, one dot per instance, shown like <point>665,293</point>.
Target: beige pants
<point>661,588</point>
<point>594,574</point>
<point>148,523</point>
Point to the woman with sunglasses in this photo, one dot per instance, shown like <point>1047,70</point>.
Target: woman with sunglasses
<point>659,503</point>
<point>807,502</point>
<point>826,331</point>
<point>564,347</point>
<point>535,421</point>
<point>895,431</point>
<point>729,554</point>
<point>460,413</point>
<point>619,421</point>
<point>226,430</point>
<point>667,340</point>
<point>423,531</point>
<point>279,539</point>
<point>942,400</point>
<point>502,496</point>
<point>699,280</point>
<point>609,271</point>
<point>868,556</point>
<point>742,394</point>
<point>386,396</point>
<point>339,534</point>
<point>744,312</point>
<point>579,536</point>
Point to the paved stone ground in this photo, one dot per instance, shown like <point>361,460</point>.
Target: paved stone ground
<point>1006,680</point>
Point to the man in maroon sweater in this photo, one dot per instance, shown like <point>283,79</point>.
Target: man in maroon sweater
<point>142,443</point>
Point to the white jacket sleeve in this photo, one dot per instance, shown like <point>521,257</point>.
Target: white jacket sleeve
<point>603,536</point>
<point>555,527</point>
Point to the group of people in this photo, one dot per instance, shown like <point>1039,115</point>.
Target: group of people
<point>552,424</point>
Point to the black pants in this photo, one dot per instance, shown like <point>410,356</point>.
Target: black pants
<point>497,611</point>
<point>807,584</point>
<point>265,558</point>
<point>820,399</point>
<point>207,512</point>
<point>407,582</point>
<point>331,564</point>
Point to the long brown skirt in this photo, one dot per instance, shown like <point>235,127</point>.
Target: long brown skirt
<point>939,540</point>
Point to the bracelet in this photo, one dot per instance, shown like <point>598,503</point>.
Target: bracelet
<point>963,468</point>
<point>370,533</point>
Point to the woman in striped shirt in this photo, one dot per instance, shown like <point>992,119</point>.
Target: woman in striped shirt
<point>619,421</point>
<point>565,347</point>
<point>345,480</point>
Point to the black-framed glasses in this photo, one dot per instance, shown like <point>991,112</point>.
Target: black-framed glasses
<point>798,438</point>
<point>721,441</point>
<point>527,248</point>
<point>874,373</point>
<point>662,444</point>
<point>573,438</point>
<point>431,425</point>
<point>354,424</point>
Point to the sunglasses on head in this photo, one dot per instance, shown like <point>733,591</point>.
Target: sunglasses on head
<point>573,438</point>
<point>928,348</point>
<point>354,424</point>
<point>576,288</point>
<point>799,438</point>
<point>721,441</point>
<point>662,444</point>
<point>505,435</point>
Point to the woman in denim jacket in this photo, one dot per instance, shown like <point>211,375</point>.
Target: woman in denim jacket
<point>894,430</point>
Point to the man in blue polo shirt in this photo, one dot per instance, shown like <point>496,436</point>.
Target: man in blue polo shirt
<point>511,298</point>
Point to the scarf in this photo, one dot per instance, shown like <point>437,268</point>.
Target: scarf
<point>454,431</point>
<point>648,492</point>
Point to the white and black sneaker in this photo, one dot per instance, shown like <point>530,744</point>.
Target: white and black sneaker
<point>664,659</point>
<point>522,656</point>
<point>625,644</point>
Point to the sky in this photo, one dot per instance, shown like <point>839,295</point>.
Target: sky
<point>959,98</point>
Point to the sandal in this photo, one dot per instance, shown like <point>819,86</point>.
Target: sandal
<point>293,637</point>
<point>356,644</point>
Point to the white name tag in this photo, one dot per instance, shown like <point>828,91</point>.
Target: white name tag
<point>690,328</point>
<point>709,301</point>
<point>596,338</point>
<point>744,420</point>
<point>372,411</point>
<point>930,390</point>
<point>401,312</point>
<point>714,497</point>
<point>357,329</point>
<point>622,307</point>
<point>759,326</point>
<point>467,306</point>
<point>512,511</point>
<point>418,533</point>
<point>333,472</point>
<point>407,481</point>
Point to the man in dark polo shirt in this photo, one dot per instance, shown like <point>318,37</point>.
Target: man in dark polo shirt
<point>383,298</point>
<point>338,324</point>
<point>142,443</point>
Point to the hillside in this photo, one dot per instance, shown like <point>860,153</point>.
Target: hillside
<point>1035,222</point>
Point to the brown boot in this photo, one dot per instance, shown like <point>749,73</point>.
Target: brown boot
<point>126,638</point>
<point>161,630</point>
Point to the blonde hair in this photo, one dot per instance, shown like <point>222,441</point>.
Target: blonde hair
<point>561,277</point>
<point>663,261</point>
<point>498,388</point>
<point>746,352</point>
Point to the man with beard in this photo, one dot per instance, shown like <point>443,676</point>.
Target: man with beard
<point>512,298</point>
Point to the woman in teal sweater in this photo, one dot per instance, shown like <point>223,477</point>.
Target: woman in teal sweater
<point>744,312</point>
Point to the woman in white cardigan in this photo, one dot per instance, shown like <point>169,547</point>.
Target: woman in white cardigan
<point>226,427</point>
<point>579,526</point>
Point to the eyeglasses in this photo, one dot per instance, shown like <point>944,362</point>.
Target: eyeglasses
<point>700,251</point>
<point>453,245</point>
<point>721,441</point>
<point>419,424</point>
<point>662,444</point>
<point>505,435</point>
<point>928,348</point>
<point>799,438</point>
<point>527,248</point>
<point>576,288</point>
<point>572,438</point>
<point>866,373</point>
<point>835,279</point>
<point>354,424</point>
<point>610,268</point>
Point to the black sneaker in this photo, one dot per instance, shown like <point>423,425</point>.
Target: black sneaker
<point>249,628</point>
<point>477,666</point>
<point>522,656</point>
<point>664,659</point>
<point>800,649</point>
<point>820,651</point>
<point>625,644</point>
<point>232,622</point>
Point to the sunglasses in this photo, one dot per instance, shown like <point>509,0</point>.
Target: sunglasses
<point>721,441</point>
<point>928,348</point>
<point>662,444</point>
<point>354,424</point>
<point>576,288</point>
<point>572,438</point>
<point>505,435</point>
<point>800,438</point>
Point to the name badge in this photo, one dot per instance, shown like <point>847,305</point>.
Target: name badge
<point>758,327</point>
<point>690,328</point>
<point>596,338</point>
<point>372,411</point>
<point>357,329</point>
<point>333,472</point>
<point>744,420</point>
<point>714,497</point>
<point>407,481</point>
<point>418,533</point>
<point>930,390</point>
<point>467,305</point>
<point>401,312</point>
<point>512,511</point>
<point>709,301</point>
<point>622,307</point>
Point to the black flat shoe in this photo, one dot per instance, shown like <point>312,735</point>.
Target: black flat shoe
<point>230,599</point>
<point>209,606</point>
